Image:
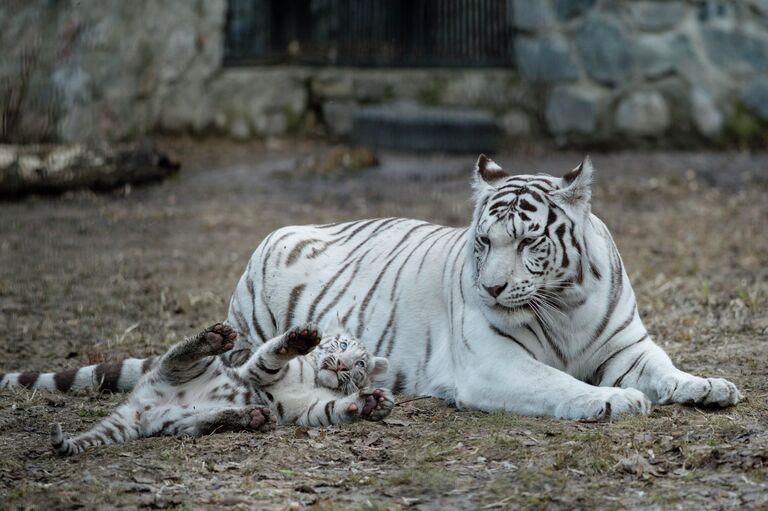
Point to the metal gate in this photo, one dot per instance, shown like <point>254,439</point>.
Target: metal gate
<point>423,33</point>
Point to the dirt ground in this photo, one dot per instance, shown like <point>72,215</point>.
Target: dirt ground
<point>88,277</point>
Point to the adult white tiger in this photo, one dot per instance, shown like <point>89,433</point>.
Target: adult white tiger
<point>528,309</point>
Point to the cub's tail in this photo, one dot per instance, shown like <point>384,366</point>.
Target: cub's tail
<point>115,429</point>
<point>113,376</point>
<point>61,443</point>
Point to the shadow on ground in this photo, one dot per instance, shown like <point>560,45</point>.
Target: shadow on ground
<point>87,277</point>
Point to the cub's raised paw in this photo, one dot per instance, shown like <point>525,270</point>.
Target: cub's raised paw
<point>262,420</point>
<point>378,404</point>
<point>692,390</point>
<point>219,338</point>
<point>300,340</point>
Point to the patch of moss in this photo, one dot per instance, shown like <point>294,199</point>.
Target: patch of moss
<point>92,412</point>
<point>744,130</point>
<point>294,122</point>
<point>431,94</point>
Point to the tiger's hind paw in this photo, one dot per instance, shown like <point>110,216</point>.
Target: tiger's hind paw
<point>300,340</point>
<point>262,420</point>
<point>378,404</point>
<point>218,338</point>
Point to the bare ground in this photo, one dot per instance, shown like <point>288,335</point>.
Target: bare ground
<point>86,277</point>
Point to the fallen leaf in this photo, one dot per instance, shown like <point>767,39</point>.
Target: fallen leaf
<point>638,466</point>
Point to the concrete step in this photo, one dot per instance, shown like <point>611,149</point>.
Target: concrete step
<point>411,127</point>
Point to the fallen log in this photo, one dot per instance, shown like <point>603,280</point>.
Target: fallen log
<point>26,169</point>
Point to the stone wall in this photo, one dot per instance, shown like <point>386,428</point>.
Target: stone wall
<point>593,72</point>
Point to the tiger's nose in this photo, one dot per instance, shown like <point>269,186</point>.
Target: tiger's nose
<point>495,291</point>
<point>341,366</point>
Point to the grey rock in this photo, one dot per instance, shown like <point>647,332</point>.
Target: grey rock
<point>532,14</point>
<point>656,16</point>
<point>573,109</point>
<point>374,89</point>
<point>643,113</point>
<point>568,9</point>
<point>706,116</point>
<point>657,55</point>
<point>338,116</point>
<point>336,84</point>
<point>736,49</point>
<point>515,124</point>
<point>755,97</point>
<point>260,98</point>
<point>604,51</point>
<point>495,89</point>
<point>760,7</point>
<point>546,59</point>
<point>239,129</point>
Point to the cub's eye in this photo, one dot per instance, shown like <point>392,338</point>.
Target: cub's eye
<point>342,345</point>
<point>484,240</point>
<point>360,364</point>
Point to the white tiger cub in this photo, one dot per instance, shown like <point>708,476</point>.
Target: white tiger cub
<point>192,392</point>
<point>528,309</point>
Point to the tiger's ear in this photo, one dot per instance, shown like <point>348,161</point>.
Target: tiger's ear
<point>488,173</point>
<point>380,367</point>
<point>333,326</point>
<point>576,186</point>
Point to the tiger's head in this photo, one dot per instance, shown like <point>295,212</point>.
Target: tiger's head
<point>344,363</point>
<point>528,248</point>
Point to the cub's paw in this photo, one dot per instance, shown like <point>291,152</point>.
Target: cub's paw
<point>262,419</point>
<point>606,404</point>
<point>300,340</point>
<point>692,390</point>
<point>377,405</point>
<point>218,338</point>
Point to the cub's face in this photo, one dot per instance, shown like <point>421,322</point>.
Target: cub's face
<point>345,365</point>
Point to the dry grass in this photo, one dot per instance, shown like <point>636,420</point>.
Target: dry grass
<point>86,277</point>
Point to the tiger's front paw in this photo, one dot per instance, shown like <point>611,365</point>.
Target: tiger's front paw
<point>300,340</point>
<point>692,390</point>
<point>377,405</point>
<point>606,403</point>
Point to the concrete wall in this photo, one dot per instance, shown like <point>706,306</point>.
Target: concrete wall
<point>595,72</point>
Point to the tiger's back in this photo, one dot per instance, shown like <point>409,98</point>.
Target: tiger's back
<point>377,275</point>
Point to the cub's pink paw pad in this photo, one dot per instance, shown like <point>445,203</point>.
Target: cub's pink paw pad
<point>262,420</point>
<point>301,340</point>
<point>378,404</point>
<point>220,338</point>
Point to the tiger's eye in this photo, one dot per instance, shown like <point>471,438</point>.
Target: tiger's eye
<point>342,346</point>
<point>524,243</point>
<point>485,240</point>
<point>360,364</point>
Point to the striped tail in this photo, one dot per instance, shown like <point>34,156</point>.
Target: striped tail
<point>112,430</point>
<point>114,376</point>
<point>61,444</point>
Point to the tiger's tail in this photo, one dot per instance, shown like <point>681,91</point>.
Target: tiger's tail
<point>112,376</point>
<point>115,429</point>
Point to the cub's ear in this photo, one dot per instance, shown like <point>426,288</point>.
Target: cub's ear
<point>333,326</point>
<point>488,173</point>
<point>576,186</point>
<point>380,367</point>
